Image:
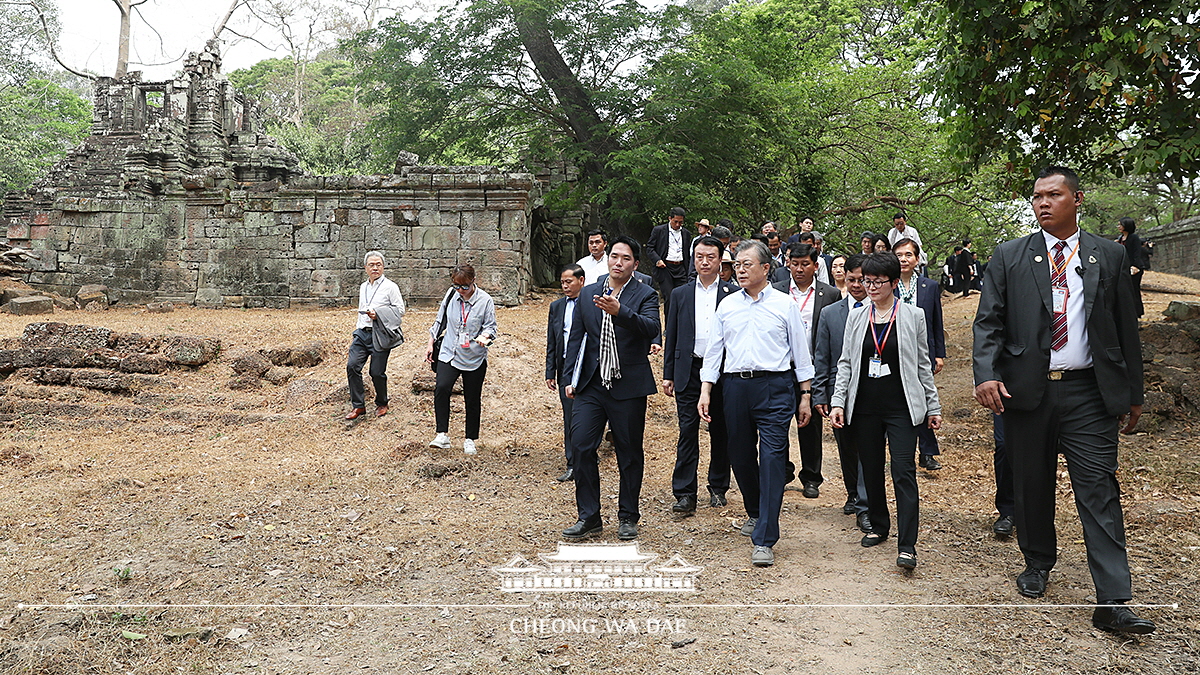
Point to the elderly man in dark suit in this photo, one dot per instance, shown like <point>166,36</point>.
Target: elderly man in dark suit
<point>1057,354</point>
<point>558,329</point>
<point>923,292</point>
<point>668,249</point>
<point>688,323</point>
<point>608,359</point>
<point>811,296</point>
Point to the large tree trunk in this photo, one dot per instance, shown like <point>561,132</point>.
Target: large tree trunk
<point>123,40</point>
<point>590,131</point>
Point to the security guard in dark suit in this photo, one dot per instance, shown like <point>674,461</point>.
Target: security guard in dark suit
<point>1057,354</point>
<point>558,328</point>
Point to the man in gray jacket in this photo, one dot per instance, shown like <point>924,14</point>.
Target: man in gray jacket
<point>378,298</point>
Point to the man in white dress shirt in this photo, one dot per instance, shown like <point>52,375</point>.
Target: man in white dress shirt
<point>759,342</point>
<point>595,263</point>
<point>902,230</point>
<point>375,293</point>
<point>668,248</point>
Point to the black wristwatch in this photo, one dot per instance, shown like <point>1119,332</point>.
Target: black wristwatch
<point>806,391</point>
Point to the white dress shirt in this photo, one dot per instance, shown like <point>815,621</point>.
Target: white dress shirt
<point>805,299</point>
<point>674,244</point>
<point>1076,354</point>
<point>382,293</point>
<point>593,269</point>
<point>909,232</point>
<point>706,306</point>
<point>568,318</point>
<point>763,333</point>
<point>823,271</point>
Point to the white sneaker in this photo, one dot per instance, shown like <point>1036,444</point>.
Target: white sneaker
<point>440,441</point>
<point>469,446</point>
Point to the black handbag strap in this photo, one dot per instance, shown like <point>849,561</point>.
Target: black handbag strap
<point>445,311</point>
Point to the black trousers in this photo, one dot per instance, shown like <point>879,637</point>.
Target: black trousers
<point>898,433</point>
<point>669,278</point>
<point>568,405</point>
<point>447,375</point>
<point>361,346</point>
<point>758,413</point>
<point>1005,500</point>
<point>1137,292</point>
<point>848,458</point>
<point>809,440</point>
<point>1072,420</point>
<point>927,441</point>
<point>594,407</point>
<point>684,482</point>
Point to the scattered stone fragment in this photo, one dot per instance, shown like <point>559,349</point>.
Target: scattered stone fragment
<point>160,307</point>
<point>245,382</point>
<point>54,334</point>
<point>10,294</point>
<point>306,355</point>
<point>1182,310</point>
<point>89,293</point>
<point>101,380</point>
<point>425,380</point>
<point>153,364</point>
<point>250,362</point>
<point>278,375</point>
<point>33,304</point>
<point>95,307</point>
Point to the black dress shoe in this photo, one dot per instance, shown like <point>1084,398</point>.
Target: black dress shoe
<point>811,490</point>
<point>582,530</point>
<point>1032,582</point>
<point>685,506</point>
<point>716,499</point>
<point>791,473</point>
<point>568,475</point>
<point>849,507</point>
<point>929,462</point>
<point>627,530</point>
<point>1121,620</point>
<point>864,522</point>
<point>1003,528</point>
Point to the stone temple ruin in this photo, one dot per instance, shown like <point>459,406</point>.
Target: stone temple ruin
<point>178,196</point>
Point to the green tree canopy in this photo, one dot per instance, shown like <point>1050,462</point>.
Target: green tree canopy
<point>39,122</point>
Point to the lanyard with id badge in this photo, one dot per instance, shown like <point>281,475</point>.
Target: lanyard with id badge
<point>875,366</point>
<point>1059,293</point>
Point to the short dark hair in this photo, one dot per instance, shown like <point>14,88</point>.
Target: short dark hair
<point>709,240</point>
<point>855,261</point>
<point>802,250</point>
<point>725,222</point>
<point>1069,176</point>
<point>907,242</point>
<point>465,269</point>
<point>722,232</point>
<point>966,243</point>
<point>596,233</point>
<point>878,238</point>
<point>807,217</point>
<point>899,215</point>
<point>678,211</point>
<point>884,264</point>
<point>867,235</point>
<point>634,247</point>
<point>1128,224</point>
<point>574,269</point>
<point>760,237</point>
<point>771,235</point>
<point>734,239</point>
<point>957,249</point>
<point>807,236</point>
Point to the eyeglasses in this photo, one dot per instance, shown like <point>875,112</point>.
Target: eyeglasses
<point>875,283</point>
<point>746,265</point>
<point>461,287</point>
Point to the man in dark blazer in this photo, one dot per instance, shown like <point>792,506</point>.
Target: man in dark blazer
<point>827,349</point>
<point>608,359</point>
<point>558,328</point>
<point>667,250</point>
<point>964,268</point>
<point>811,296</point>
<point>923,292</point>
<point>1057,354</point>
<point>686,340</point>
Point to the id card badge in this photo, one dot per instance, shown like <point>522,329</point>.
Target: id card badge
<point>877,368</point>
<point>1058,299</point>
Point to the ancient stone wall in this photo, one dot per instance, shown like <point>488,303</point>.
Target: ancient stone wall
<point>1176,247</point>
<point>177,196</point>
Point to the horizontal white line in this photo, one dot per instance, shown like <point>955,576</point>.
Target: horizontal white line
<point>527,606</point>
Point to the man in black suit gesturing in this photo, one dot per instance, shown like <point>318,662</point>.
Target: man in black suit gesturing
<point>558,329</point>
<point>811,296</point>
<point>668,249</point>
<point>607,357</point>
<point>1057,354</point>
<point>688,322</point>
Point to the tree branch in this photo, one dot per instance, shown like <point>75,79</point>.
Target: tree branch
<point>50,40</point>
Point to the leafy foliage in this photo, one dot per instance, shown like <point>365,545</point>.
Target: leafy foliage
<point>1108,85</point>
<point>39,122</point>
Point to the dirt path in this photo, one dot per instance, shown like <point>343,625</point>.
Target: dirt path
<point>265,497</point>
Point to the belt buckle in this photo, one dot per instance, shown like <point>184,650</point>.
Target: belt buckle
<point>1054,375</point>
<point>746,374</point>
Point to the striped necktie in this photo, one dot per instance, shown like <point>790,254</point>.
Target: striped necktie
<point>1058,278</point>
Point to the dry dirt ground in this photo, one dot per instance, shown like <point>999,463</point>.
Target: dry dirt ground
<point>309,546</point>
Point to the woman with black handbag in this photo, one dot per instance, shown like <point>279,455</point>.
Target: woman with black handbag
<point>468,318</point>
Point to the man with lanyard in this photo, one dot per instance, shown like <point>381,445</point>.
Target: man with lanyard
<point>595,263</point>
<point>811,296</point>
<point>375,293</point>
<point>1069,290</point>
<point>668,249</point>
<point>688,326</point>
<point>902,230</point>
<point>558,329</point>
<point>760,345</point>
<point>925,295</point>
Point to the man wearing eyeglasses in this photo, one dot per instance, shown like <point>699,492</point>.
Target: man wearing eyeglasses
<point>758,347</point>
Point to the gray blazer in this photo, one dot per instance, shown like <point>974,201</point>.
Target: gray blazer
<point>916,375</point>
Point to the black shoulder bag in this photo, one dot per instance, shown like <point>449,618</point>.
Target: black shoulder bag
<point>441,332</point>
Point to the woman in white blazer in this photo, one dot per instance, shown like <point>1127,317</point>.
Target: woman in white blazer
<point>883,392</point>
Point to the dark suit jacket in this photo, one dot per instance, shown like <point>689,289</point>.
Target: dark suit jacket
<point>636,324</point>
<point>556,342</point>
<point>645,279</point>
<point>1012,324</point>
<point>929,299</point>
<point>826,295</point>
<point>656,247</point>
<point>827,348</point>
<point>681,331</point>
<point>1133,249</point>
